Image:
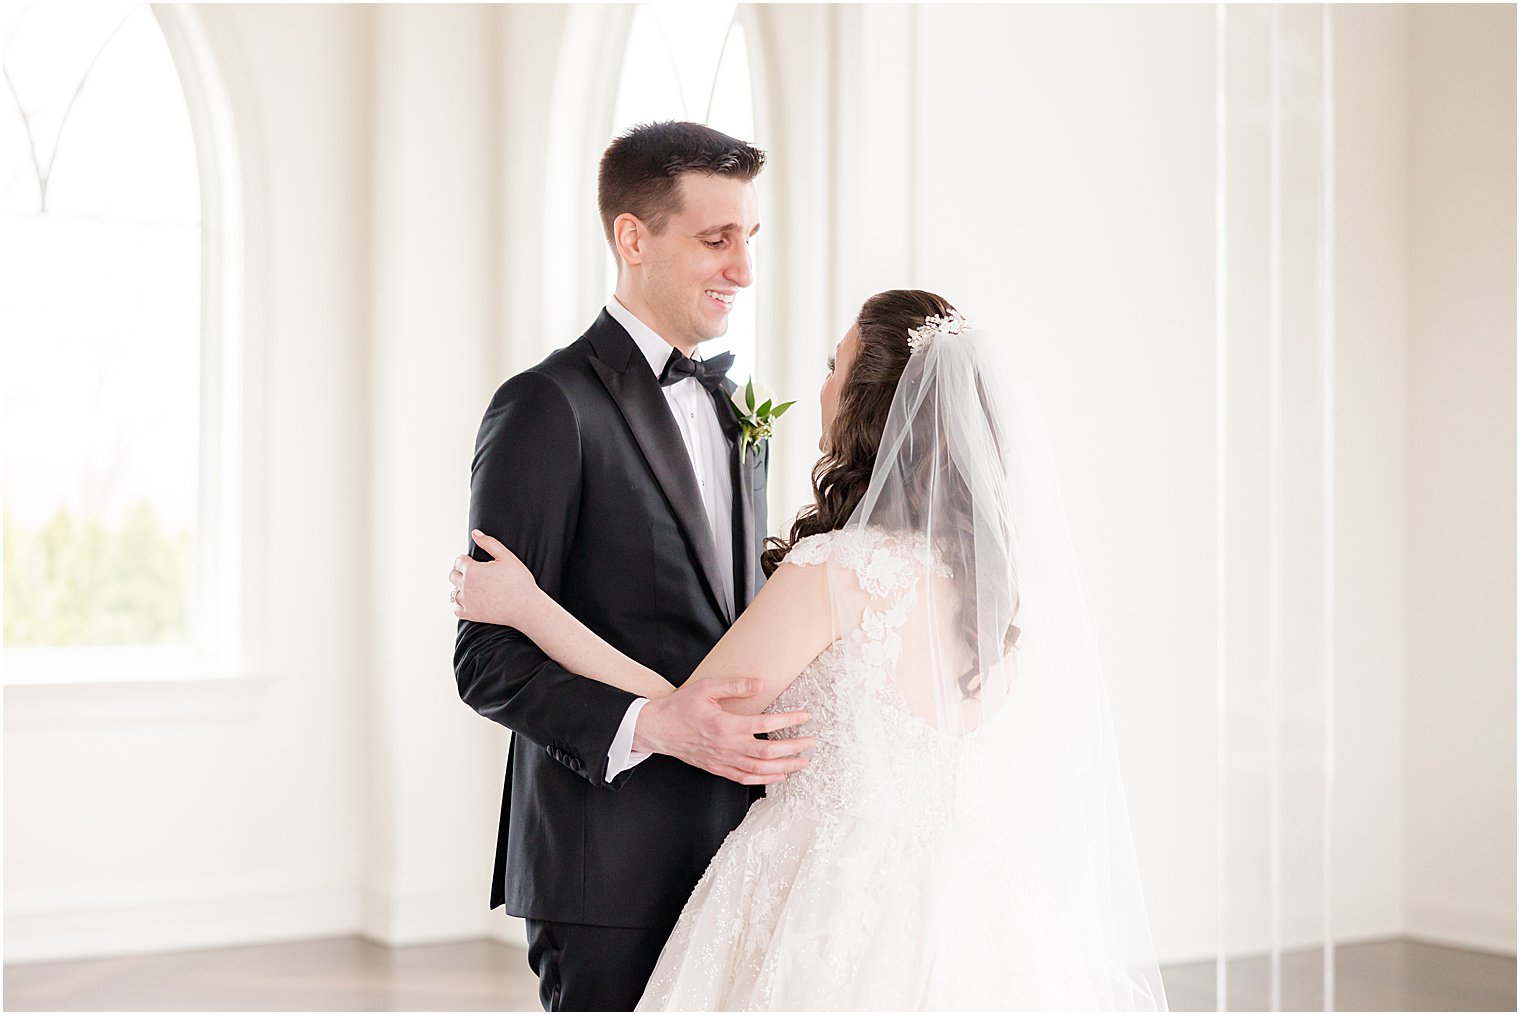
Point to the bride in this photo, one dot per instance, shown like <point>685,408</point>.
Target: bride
<point>959,838</point>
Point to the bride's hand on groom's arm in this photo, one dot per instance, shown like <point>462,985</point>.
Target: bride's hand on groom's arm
<point>503,591</point>
<point>496,591</point>
<point>692,725</point>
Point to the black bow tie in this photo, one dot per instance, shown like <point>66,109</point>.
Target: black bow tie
<point>710,372</point>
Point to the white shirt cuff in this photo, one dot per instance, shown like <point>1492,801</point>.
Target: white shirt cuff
<point>621,756</point>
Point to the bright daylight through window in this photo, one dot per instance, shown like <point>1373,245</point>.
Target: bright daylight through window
<point>101,336</point>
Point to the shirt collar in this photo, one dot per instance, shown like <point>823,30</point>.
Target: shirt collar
<point>655,349</point>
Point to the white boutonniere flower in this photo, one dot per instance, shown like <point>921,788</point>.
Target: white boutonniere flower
<point>757,411</point>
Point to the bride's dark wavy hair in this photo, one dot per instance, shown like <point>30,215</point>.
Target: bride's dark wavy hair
<point>843,473</point>
<point>841,476</point>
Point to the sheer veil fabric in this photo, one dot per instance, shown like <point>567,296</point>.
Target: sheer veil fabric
<point>995,656</point>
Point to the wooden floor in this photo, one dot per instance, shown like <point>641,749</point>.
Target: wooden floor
<point>1379,976</point>
<point>350,974</point>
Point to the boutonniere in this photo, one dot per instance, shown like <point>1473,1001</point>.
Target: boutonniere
<point>757,411</point>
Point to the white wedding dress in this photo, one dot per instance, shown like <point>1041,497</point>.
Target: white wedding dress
<point>861,882</point>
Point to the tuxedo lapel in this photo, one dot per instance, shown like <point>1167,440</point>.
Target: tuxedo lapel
<point>644,408</point>
<point>743,477</point>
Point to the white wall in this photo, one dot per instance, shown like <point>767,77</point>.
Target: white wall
<point>1048,168</point>
<point>1371,263</point>
<point>1460,732</point>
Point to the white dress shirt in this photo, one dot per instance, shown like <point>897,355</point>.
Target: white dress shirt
<point>708,451</point>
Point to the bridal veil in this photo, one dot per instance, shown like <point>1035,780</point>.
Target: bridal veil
<point>996,661</point>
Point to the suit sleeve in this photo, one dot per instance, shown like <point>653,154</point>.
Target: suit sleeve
<point>525,491</point>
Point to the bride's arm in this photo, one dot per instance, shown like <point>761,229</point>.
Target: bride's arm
<point>783,630</point>
<point>787,625</point>
<point>503,591</point>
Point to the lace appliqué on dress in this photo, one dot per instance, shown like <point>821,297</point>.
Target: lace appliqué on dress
<point>883,562</point>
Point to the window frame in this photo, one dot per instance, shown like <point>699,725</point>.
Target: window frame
<point>216,610</point>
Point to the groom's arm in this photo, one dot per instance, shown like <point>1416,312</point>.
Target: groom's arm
<point>525,491</point>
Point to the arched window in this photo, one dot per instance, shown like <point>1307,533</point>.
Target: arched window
<point>118,428</point>
<point>691,62</point>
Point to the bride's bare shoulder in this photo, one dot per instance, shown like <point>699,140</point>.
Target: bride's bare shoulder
<point>796,576</point>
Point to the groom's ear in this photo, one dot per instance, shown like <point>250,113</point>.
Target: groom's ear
<point>628,234</point>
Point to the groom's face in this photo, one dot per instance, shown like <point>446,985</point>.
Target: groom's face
<point>691,273</point>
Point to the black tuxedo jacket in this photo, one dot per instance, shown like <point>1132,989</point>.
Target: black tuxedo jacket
<point>579,469</point>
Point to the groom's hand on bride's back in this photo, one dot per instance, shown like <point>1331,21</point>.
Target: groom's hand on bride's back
<point>692,725</point>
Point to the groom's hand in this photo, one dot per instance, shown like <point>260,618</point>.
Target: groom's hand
<point>692,725</point>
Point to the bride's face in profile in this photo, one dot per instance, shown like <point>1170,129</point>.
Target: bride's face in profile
<point>840,363</point>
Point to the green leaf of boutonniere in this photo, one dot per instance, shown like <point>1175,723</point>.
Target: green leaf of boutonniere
<point>757,411</point>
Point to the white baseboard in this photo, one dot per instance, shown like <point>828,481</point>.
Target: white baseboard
<point>160,918</point>
<point>512,930</point>
<point>47,930</point>
<point>438,919</point>
<point>425,918</point>
<point>1196,941</point>
<point>1485,927</point>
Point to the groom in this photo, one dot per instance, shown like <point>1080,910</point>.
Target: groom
<point>612,469</point>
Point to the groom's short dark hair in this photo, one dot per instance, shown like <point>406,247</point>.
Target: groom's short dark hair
<point>641,168</point>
